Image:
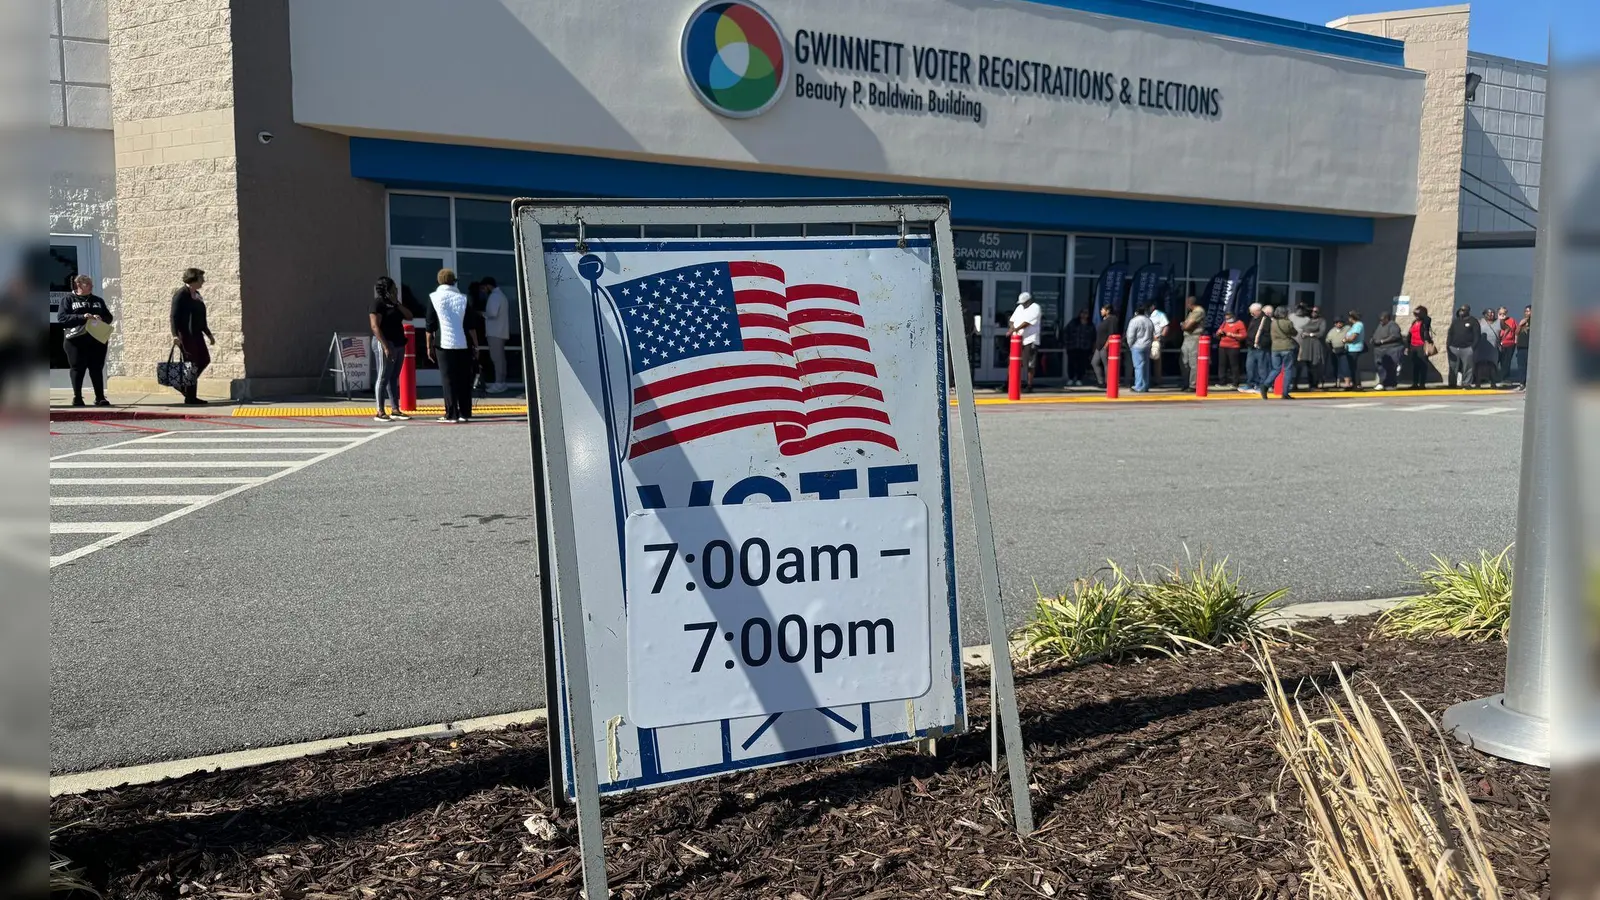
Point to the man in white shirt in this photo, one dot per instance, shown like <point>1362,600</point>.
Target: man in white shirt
<point>452,344</point>
<point>497,330</point>
<point>1025,321</point>
<point>1159,321</point>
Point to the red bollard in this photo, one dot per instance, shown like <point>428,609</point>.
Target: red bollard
<point>1113,366</point>
<point>1279,385</point>
<point>1202,371</point>
<point>1014,379</point>
<point>408,372</point>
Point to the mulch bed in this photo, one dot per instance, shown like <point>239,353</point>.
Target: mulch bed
<point>1154,779</point>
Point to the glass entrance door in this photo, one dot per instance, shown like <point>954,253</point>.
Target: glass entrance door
<point>416,272</point>
<point>986,305</point>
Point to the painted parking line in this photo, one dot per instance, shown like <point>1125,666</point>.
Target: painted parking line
<point>1423,408</point>
<point>113,456</point>
<point>1366,404</point>
<point>1491,411</point>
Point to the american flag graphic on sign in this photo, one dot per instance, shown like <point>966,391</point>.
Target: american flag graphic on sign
<point>721,346</point>
<point>353,348</point>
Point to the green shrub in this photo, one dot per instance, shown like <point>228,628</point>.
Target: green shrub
<point>1463,600</point>
<point>1101,621</point>
<point>1205,604</point>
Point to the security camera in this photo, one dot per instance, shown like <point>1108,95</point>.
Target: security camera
<point>264,137</point>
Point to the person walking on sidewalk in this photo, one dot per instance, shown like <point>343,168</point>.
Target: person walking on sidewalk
<point>1141,336</point>
<point>1025,321</point>
<point>1285,348</point>
<point>1194,325</point>
<point>86,352</point>
<point>1258,348</point>
<point>453,345</point>
<point>190,331</point>
<point>388,319</point>
<point>497,331</point>
<point>1419,346</point>
<point>1110,324</point>
<point>1355,344</point>
<point>1388,343</point>
<point>1462,341</point>
<point>1231,336</point>
<point>1080,348</point>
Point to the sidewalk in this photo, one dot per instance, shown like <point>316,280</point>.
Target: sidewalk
<point>167,405</point>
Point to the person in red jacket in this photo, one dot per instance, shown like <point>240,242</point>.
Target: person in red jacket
<point>1508,343</point>
<point>1230,341</point>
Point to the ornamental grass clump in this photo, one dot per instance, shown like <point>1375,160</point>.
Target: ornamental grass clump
<point>1465,600</point>
<point>1101,621</point>
<point>1378,827</point>
<point>1205,605</point>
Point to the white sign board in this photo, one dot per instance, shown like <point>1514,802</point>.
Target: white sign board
<point>1402,306</point>
<point>355,361</point>
<point>721,395</point>
<point>743,611</point>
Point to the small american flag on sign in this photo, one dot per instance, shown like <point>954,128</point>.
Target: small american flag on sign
<point>720,346</point>
<point>353,348</point>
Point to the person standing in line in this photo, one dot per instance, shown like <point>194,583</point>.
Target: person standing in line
<point>1486,356</point>
<point>1339,355</point>
<point>1194,325</point>
<point>1508,344</point>
<point>85,352</point>
<point>1524,340</point>
<point>1025,321</point>
<point>1355,344</point>
<point>1313,362</point>
<point>1285,349</point>
<point>190,331</point>
<point>497,331</point>
<point>1231,336</point>
<point>1389,346</point>
<point>1419,346</point>
<point>1080,347</point>
<point>1110,324</point>
<point>1462,340</point>
<point>1258,348</point>
<point>1158,321</point>
<point>1141,336</point>
<point>387,319</point>
<point>453,345</point>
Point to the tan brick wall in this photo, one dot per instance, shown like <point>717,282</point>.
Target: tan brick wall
<point>177,176</point>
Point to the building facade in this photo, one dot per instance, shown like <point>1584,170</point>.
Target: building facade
<point>297,149</point>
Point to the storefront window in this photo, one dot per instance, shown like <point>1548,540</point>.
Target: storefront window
<point>1274,264</point>
<point>419,221</point>
<point>1205,260</point>
<point>1272,295</point>
<point>1049,253</point>
<point>1241,257</point>
<point>1172,255</point>
<point>1134,253</point>
<point>502,267</point>
<point>991,251</point>
<point>483,224</point>
<point>1308,266</point>
<point>1091,255</point>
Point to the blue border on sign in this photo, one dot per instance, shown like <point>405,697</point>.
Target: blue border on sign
<point>649,755</point>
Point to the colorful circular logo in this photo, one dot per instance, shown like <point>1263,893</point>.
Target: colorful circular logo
<point>734,57</point>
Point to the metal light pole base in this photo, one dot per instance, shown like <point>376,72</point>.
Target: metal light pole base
<point>1494,728</point>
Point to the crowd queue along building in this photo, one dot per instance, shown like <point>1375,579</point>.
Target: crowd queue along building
<point>298,149</point>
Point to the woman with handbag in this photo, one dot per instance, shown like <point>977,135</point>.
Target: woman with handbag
<point>190,331</point>
<point>87,323</point>
<point>1419,346</point>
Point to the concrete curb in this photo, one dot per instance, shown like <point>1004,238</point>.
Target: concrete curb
<point>104,779</point>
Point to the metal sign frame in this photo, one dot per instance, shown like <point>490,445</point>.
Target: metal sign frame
<point>559,581</point>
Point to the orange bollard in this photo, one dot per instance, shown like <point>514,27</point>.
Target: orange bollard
<point>1113,366</point>
<point>408,372</point>
<point>1279,385</point>
<point>1202,369</point>
<point>1014,378</point>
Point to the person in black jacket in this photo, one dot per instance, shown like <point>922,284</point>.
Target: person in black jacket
<point>85,352</point>
<point>1080,347</point>
<point>1419,345</point>
<point>188,320</point>
<point>1110,324</point>
<point>1462,341</point>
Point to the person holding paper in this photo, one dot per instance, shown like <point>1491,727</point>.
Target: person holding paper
<point>87,323</point>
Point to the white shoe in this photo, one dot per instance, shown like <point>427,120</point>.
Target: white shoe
<point>400,416</point>
<point>1377,387</point>
<point>380,417</point>
<point>448,420</point>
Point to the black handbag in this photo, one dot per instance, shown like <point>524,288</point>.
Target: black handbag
<point>177,372</point>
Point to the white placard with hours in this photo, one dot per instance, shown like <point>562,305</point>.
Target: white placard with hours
<point>763,608</point>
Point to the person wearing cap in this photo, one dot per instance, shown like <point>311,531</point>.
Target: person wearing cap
<point>453,345</point>
<point>1462,340</point>
<point>1025,321</point>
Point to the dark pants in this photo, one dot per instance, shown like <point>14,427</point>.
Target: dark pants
<point>85,354</point>
<point>1310,373</point>
<point>1354,357</point>
<point>1078,364</point>
<point>1419,366</point>
<point>1256,363</point>
<point>1461,363</point>
<point>197,354</point>
<point>1389,366</point>
<point>1520,365</point>
<point>1508,356</point>
<point>455,374</point>
<point>388,385</point>
<point>1230,366</point>
<point>1101,364</point>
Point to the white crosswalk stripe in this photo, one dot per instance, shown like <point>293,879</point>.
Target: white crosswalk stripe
<point>1491,411</point>
<point>1360,405</point>
<point>182,449</point>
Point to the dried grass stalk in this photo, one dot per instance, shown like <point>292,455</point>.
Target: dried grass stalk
<point>1379,827</point>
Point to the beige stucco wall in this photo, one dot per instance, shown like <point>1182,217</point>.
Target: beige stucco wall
<point>1436,43</point>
